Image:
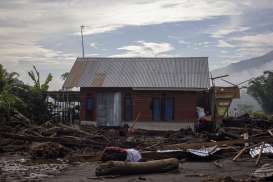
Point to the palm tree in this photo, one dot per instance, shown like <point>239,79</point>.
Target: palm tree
<point>36,99</point>
<point>35,76</point>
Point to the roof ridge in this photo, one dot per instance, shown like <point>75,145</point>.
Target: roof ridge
<point>140,59</point>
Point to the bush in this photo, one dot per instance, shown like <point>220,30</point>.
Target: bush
<point>259,115</point>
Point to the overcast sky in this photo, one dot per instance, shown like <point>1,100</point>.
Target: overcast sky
<point>45,33</point>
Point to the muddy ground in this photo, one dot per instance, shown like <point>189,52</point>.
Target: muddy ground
<point>18,168</point>
<point>53,151</point>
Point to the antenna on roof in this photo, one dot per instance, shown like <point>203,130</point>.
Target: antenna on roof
<point>217,77</point>
<point>246,81</point>
<point>82,27</point>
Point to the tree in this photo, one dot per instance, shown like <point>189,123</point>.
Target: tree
<point>35,76</point>
<point>17,96</point>
<point>36,98</point>
<point>261,88</point>
<point>65,75</point>
<point>8,100</point>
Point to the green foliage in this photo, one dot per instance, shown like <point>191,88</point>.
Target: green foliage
<point>29,100</point>
<point>35,77</point>
<point>65,75</point>
<point>8,100</point>
<point>259,115</point>
<point>36,104</point>
<point>261,88</point>
<point>36,99</point>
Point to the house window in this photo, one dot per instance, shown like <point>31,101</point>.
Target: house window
<point>128,108</point>
<point>163,108</point>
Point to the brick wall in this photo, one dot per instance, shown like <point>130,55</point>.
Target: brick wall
<point>184,105</point>
<point>184,102</point>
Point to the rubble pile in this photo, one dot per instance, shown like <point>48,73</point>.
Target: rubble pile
<point>48,150</point>
<point>21,170</point>
<point>241,137</point>
<point>246,121</point>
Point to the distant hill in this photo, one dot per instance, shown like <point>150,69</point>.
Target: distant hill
<point>245,70</point>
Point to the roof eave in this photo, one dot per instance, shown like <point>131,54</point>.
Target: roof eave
<point>170,88</point>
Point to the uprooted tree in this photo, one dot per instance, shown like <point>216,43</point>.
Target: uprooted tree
<point>261,88</point>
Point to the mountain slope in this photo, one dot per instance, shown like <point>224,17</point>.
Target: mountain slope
<point>243,71</point>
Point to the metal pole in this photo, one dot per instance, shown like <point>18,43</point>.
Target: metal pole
<point>82,27</point>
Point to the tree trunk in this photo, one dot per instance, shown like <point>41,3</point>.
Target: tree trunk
<point>124,168</point>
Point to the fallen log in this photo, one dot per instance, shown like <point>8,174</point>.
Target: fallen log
<point>127,168</point>
<point>67,140</point>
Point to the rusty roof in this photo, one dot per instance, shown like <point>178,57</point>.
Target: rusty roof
<point>172,72</point>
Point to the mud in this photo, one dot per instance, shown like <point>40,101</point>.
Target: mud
<point>188,171</point>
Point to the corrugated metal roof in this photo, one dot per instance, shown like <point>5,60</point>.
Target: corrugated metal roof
<point>176,72</point>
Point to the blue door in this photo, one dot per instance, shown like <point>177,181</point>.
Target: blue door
<point>128,108</point>
<point>156,109</point>
<point>89,108</point>
<point>169,108</point>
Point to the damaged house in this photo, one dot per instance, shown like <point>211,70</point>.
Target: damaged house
<point>116,90</point>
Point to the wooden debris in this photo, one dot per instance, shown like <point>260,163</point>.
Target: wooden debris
<point>270,132</point>
<point>239,154</point>
<point>67,140</point>
<point>217,164</point>
<point>260,154</point>
<point>48,150</point>
<point>125,168</point>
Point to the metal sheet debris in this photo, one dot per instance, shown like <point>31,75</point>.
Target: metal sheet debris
<point>256,150</point>
<point>204,152</point>
<point>166,151</point>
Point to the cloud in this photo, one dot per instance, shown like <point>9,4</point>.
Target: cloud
<point>27,23</point>
<point>145,49</point>
<point>131,13</point>
<point>228,30</point>
<point>29,28</point>
<point>183,42</point>
<point>257,40</point>
<point>93,45</point>
<point>224,44</point>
